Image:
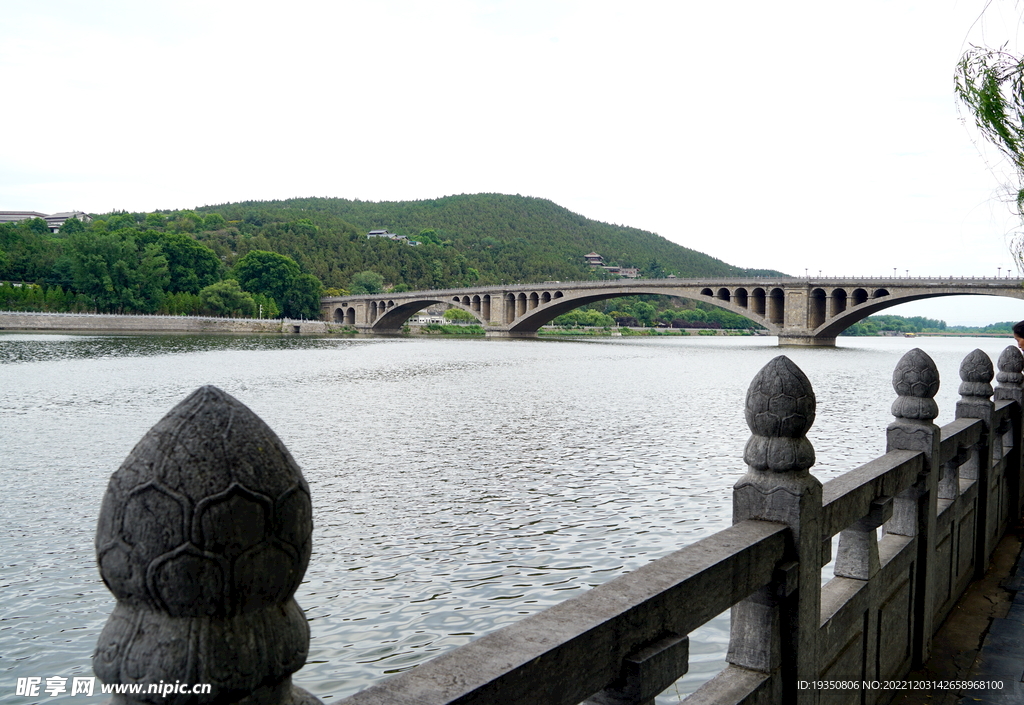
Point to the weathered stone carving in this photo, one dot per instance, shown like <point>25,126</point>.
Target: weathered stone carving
<point>976,374</point>
<point>916,381</point>
<point>203,537</point>
<point>1010,380</point>
<point>975,403</point>
<point>779,411</point>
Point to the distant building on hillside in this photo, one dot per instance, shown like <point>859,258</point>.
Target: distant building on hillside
<point>626,272</point>
<point>596,260</point>
<point>15,216</point>
<point>54,222</point>
<point>392,236</point>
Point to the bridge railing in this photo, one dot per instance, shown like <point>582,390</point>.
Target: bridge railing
<point>205,534</point>
<point>696,281</point>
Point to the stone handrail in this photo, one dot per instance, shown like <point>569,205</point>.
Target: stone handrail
<point>204,536</point>
<point>625,637</point>
<point>700,281</point>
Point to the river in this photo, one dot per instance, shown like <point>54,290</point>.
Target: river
<point>457,484</point>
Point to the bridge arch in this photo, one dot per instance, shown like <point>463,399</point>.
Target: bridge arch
<point>530,320</point>
<point>757,301</point>
<point>344,314</point>
<point>838,302</point>
<point>777,306</point>
<point>883,300</point>
<point>395,317</point>
<point>816,307</point>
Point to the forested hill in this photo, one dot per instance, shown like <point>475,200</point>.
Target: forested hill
<point>481,239</point>
<point>278,257</point>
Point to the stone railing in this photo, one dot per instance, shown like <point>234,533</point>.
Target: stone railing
<point>205,532</point>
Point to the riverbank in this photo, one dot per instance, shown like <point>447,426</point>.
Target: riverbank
<point>112,323</point>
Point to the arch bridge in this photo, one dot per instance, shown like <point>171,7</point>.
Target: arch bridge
<point>808,311</point>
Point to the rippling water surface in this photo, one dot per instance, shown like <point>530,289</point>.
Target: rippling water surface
<point>457,485</point>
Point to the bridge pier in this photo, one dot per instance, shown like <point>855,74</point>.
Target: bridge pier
<point>497,333</point>
<point>807,341</point>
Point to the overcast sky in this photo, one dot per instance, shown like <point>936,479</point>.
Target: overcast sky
<point>798,136</point>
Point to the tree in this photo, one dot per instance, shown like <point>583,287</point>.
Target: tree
<point>188,221</point>
<point>297,294</point>
<point>38,226</point>
<point>990,83</point>
<point>269,273</point>
<point>192,265</point>
<point>226,298</point>
<point>122,220</point>
<point>72,226</point>
<point>457,315</point>
<point>303,297</point>
<point>429,236</point>
<point>214,221</point>
<point>644,312</point>
<point>117,272</point>
<point>367,282</point>
<point>654,270</point>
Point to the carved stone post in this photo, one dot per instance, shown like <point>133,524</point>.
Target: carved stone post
<point>1010,378</point>
<point>777,627</point>
<point>203,537</point>
<point>975,387</point>
<point>976,403</point>
<point>916,381</point>
<point>1011,386</point>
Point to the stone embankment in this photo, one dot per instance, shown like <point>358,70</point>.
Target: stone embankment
<point>110,323</point>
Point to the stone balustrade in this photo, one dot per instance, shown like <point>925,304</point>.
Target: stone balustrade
<point>204,535</point>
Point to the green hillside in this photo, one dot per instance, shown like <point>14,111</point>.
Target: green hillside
<point>278,257</point>
<point>481,238</point>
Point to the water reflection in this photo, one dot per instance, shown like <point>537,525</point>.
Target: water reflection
<point>458,485</point>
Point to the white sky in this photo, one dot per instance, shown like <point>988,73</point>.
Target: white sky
<point>799,135</point>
